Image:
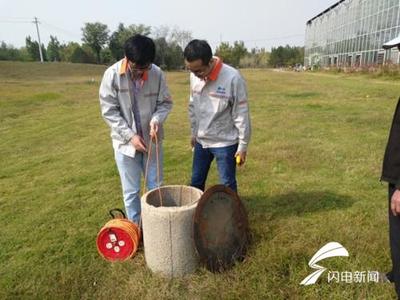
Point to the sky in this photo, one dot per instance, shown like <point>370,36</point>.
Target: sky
<point>259,23</point>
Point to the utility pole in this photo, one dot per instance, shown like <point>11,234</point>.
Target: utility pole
<point>40,44</point>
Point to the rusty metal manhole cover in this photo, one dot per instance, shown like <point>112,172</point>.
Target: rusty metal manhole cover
<point>220,228</point>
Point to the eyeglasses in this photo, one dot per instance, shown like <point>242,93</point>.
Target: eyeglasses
<point>199,70</point>
<point>134,67</point>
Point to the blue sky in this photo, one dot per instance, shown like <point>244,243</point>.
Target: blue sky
<point>260,23</point>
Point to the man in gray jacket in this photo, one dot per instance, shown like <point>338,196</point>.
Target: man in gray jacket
<point>219,115</point>
<point>135,101</point>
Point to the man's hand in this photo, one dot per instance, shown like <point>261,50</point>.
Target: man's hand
<point>192,141</point>
<point>153,129</point>
<point>395,203</point>
<point>242,156</point>
<point>138,143</point>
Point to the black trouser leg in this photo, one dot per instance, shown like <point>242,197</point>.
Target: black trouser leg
<point>394,235</point>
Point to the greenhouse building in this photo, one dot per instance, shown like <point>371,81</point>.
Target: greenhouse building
<point>354,33</point>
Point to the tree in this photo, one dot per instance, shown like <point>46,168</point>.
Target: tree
<point>115,44</point>
<point>33,49</point>
<point>162,31</point>
<point>53,49</point>
<point>238,51</point>
<point>231,54</point>
<point>95,35</point>
<point>66,51</point>
<point>79,56</point>
<point>161,50</point>
<point>8,52</point>
<point>181,37</point>
<point>277,58</point>
<point>169,55</point>
<point>23,54</point>
<point>224,50</point>
<point>139,29</point>
<point>83,54</point>
<point>119,37</point>
<point>174,57</point>
<point>106,56</point>
<point>256,58</point>
<point>286,56</point>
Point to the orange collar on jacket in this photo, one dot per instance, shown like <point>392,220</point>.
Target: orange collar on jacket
<point>216,69</point>
<point>125,68</point>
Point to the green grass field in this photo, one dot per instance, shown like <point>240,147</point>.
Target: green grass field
<point>312,177</point>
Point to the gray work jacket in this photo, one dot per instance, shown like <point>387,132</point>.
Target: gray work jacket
<point>219,109</point>
<point>116,102</point>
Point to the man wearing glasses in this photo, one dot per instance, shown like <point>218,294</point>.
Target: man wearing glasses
<point>135,102</point>
<point>219,115</point>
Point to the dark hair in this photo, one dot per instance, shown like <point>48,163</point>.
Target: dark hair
<point>198,49</point>
<point>140,49</point>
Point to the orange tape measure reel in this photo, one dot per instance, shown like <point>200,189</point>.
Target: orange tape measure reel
<point>118,239</point>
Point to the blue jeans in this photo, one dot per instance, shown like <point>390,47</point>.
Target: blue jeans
<point>226,164</point>
<point>130,170</point>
